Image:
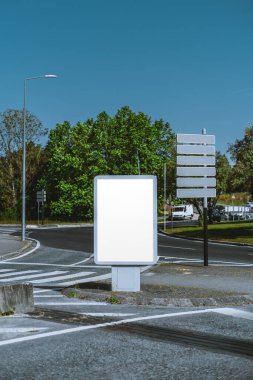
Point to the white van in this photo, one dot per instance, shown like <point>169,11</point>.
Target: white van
<point>182,212</point>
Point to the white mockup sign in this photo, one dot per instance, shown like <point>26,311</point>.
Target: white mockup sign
<point>125,220</point>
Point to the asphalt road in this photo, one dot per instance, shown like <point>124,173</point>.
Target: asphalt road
<point>81,239</point>
<point>76,339</point>
<point>68,350</point>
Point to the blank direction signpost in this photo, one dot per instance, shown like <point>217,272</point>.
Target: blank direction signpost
<point>196,172</point>
<point>41,197</point>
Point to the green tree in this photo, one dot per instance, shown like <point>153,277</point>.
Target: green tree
<point>11,133</point>
<point>242,154</point>
<point>127,143</point>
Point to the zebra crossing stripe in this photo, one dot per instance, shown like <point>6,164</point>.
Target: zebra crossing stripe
<point>59,278</point>
<point>22,272</point>
<point>235,313</point>
<point>95,278</point>
<point>6,270</point>
<point>36,291</point>
<point>28,277</point>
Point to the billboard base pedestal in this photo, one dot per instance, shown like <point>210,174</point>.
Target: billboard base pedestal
<point>125,279</point>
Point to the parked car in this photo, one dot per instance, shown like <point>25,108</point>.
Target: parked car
<point>216,216</point>
<point>182,212</point>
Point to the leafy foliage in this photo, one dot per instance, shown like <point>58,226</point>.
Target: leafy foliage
<point>242,153</point>
<point>11,134</point>
<point>127,143</point>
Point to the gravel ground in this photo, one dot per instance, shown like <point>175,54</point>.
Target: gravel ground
<point>155,292</point>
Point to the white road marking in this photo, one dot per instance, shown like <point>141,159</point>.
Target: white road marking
<point>50,296</point>
<point>172,246</point>
<point>58,278</point>
<point>235,313</point>
<point>27,253</point>
<point>18,316</point>
<point>178,258</point>
<point>56,265</point>
<point>6,270</point>
<point>209,242</point>
<point>35,291</point>
<point>66,303</point>
<point>95,278</point>
<point>92,327</point>
<point>21,329</point>
<point>83,261</point>
<point>108,314</point>
<point>21,272</point>
<point>232,265</point>
<point>34,276</point>
<point>229,262</point>
<point>211,262</point>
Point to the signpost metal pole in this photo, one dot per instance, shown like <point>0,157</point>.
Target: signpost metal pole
<point>38,213</point>
<point>165,195</point>
<point>205,221</point>
<point>205,227</point>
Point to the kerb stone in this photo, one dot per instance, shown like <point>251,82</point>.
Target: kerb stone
<point>17,298</point>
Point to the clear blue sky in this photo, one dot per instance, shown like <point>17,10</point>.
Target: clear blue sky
<point>189,62</point>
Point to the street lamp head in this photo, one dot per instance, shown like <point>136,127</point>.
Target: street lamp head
<point>50,76</point>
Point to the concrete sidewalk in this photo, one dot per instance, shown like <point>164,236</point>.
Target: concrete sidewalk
<point>11,246</point>
<point>235,279</point>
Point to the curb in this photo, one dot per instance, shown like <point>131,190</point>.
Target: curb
<point>16,298</point>
<point>16,253</point>
<point>209,240</point>
<point>45,226</point>
<point>143,300</point>
<point>30,243</point>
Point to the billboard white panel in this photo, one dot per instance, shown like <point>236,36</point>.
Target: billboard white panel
<point>196,149</point>
<point>196,193</point>
<point>195,138</point>
<point>125,220</point>
<point>196,182</point>
<point>196,172</point>
<point>196,160</point>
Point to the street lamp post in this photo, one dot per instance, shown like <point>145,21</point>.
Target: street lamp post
<point>24,152</point>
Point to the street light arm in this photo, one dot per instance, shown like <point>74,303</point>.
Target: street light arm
<point>42,76</point>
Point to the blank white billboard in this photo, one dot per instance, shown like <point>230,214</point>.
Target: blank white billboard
<point>125,220</point>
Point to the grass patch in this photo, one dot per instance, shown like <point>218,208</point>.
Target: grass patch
<point>236,232</point>
<point>113,299</point>
<point>236,199</point>
<point>71,294</point>
<point>8,312</point>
